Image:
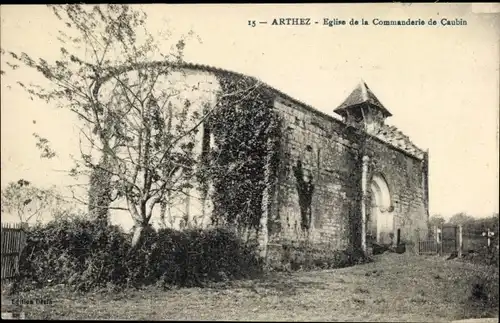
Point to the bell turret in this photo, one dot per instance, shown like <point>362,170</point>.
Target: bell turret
<point>363,110</point>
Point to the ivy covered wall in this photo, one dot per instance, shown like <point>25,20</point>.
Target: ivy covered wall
<point>277,170</point>
<point>241,164</point>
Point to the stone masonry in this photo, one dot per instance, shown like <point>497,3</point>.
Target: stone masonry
<point>330,151</point>
<point>324,193</point>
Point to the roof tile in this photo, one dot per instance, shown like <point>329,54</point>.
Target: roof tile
<point>362,94</point>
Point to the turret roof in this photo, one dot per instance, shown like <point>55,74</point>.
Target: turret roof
<point>362,94</point>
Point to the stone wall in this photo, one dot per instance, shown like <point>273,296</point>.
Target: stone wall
<point>405,176</point>
<point>323,146</point>
<point>329,152</point>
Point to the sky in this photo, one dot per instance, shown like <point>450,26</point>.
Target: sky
<point>441,83</point>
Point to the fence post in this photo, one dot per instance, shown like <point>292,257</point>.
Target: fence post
<point>460,244</point>
<point>488,235</point>
<point>441,241</point>
<point>416,247</point>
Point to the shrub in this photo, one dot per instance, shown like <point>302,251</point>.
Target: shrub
<point>483,293</point>
<point>73,251</point>
<point>486,256</point>
<point>85,255</point>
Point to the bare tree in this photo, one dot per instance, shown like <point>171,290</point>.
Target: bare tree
<point>138,121</point>
<point>96,41</point>
<point>28,202</point>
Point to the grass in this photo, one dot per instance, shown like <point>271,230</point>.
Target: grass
<point>393,288</point>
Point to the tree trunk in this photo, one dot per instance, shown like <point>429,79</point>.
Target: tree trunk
<point>163,212</point>
<point>99,195</point>
<point>142,219</point>
<point>140,231</point>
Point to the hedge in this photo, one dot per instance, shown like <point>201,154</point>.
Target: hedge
<point>82,254</point>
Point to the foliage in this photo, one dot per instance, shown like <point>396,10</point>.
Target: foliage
<point>105,77</point>
<point>436,220</point>
<point>138,125</point>
<point>486,256</point>
<point>84,255</point>
<point>43,145</point>
<point>243,162</point>
<point>460,218</point>
<point>305,190</point>
<point>26,201</point>
<point>482,224</point>
<point>483,292</point>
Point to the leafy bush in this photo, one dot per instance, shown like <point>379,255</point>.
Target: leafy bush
<point>486,256</point>
<point>83,254</point>
<point>74,251</point>
<point>483,298</point>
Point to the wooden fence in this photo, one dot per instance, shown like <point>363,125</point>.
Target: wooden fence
<point>13,241</point>
<point>454,239</point>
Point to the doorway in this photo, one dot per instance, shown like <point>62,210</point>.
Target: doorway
<point>381,224</point>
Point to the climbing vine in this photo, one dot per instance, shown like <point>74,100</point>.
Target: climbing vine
<point>305,189</point>
<point>242,165</point>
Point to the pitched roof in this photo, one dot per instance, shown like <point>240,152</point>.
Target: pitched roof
<point>361,94</point>
<point>395,137</point>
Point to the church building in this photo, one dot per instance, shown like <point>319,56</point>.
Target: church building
<point>343,179</point>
